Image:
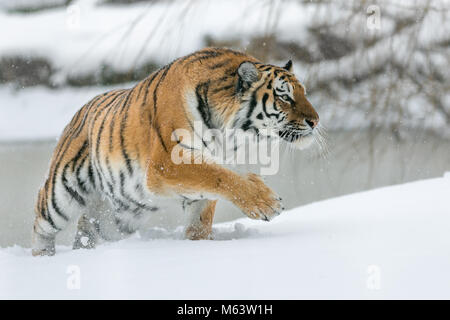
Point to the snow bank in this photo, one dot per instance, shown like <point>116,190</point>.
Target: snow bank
<point>388,243</point>
<point>88,35</point>
<point>41,113</point>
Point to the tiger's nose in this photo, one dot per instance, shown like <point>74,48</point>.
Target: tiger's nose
<point>312,123</point>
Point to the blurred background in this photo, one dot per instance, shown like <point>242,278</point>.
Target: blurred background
<point>376,71</point>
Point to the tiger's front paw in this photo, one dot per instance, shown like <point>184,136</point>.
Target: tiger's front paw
<point>257,200</point>
<point>196,232</point>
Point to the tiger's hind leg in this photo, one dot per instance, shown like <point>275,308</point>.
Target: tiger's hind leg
<point>49,222</point>
<point>43,238</point>
<point>87,234</point>
<point>96,225</point>
<point>66,194</point>
<point>200,214</point>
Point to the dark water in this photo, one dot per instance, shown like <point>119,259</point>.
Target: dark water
<point>357,161</point>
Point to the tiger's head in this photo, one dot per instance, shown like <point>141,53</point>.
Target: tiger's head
<point>273,99</point>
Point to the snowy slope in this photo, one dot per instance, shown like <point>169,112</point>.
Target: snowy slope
<point>392,242</point>
<point>41,113</point>
<point>127,35</point>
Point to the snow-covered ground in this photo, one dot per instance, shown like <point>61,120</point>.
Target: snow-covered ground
<point>392,242</point>
<point>41,113</point>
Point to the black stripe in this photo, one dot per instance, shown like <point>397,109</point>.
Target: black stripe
<point>141,85</point>
<point>91,174</point>
<point>185,146</point>
<point>81,183</point>
<point>276,72</point>
<point>155,103</point>
<point>41,200</point>
<point>50,220</point>
<point>78,198</point>
<point>83,122</point>
<point>113,120</point>
<point>150,81</point>
<point>53,195</point>
<point>220,64</point>
<point>222,79</point>
<point>77,170</point>
<point>75,131</point>
<point>201,92</point>
<point>196,54</point>
<point>98,174</point>
<point>111,188</point>
<point>129,198</point>
<point>253,101</point>
<point>248,125</point>
<point>119,204</point>
<point>70,135</point>
<point>111,131</point>
<point>97,163</point>
<point>227,87</point>
<point>100,111</point>
<point>230,72</point>
<point>252,105</point>
<point>56,207</point>
<point>69,189</point>
<point>68,130</point>
<point>122,137</point>
<point>102,125</point>
<point>43,207</point>
<point>193,130</point>
<point>155,95</point>
<point>234,52</point>
<point>264,101</point>
<point>144,101</point>
<point>158,132</point>
<point>111,174</point>
<point>204,56</point>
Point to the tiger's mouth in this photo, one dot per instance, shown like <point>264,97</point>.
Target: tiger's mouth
<point>294,135</point>
<point>300,139</point>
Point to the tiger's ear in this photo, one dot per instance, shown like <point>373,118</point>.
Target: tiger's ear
<point>288,66</point>
<point>248,73</point>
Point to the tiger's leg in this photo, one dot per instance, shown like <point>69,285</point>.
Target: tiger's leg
<point>66,194</point>
<point>52,217</point>
<point>87,234</point>
<point>211,181</point>
<point>43,237</point>
<point>200,214</point>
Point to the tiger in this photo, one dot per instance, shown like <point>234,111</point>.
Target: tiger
<point>112,164</point>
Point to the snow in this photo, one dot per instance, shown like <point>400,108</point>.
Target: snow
<point>392,242</point>
<point>41,113</point>
<point>127,35</point>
